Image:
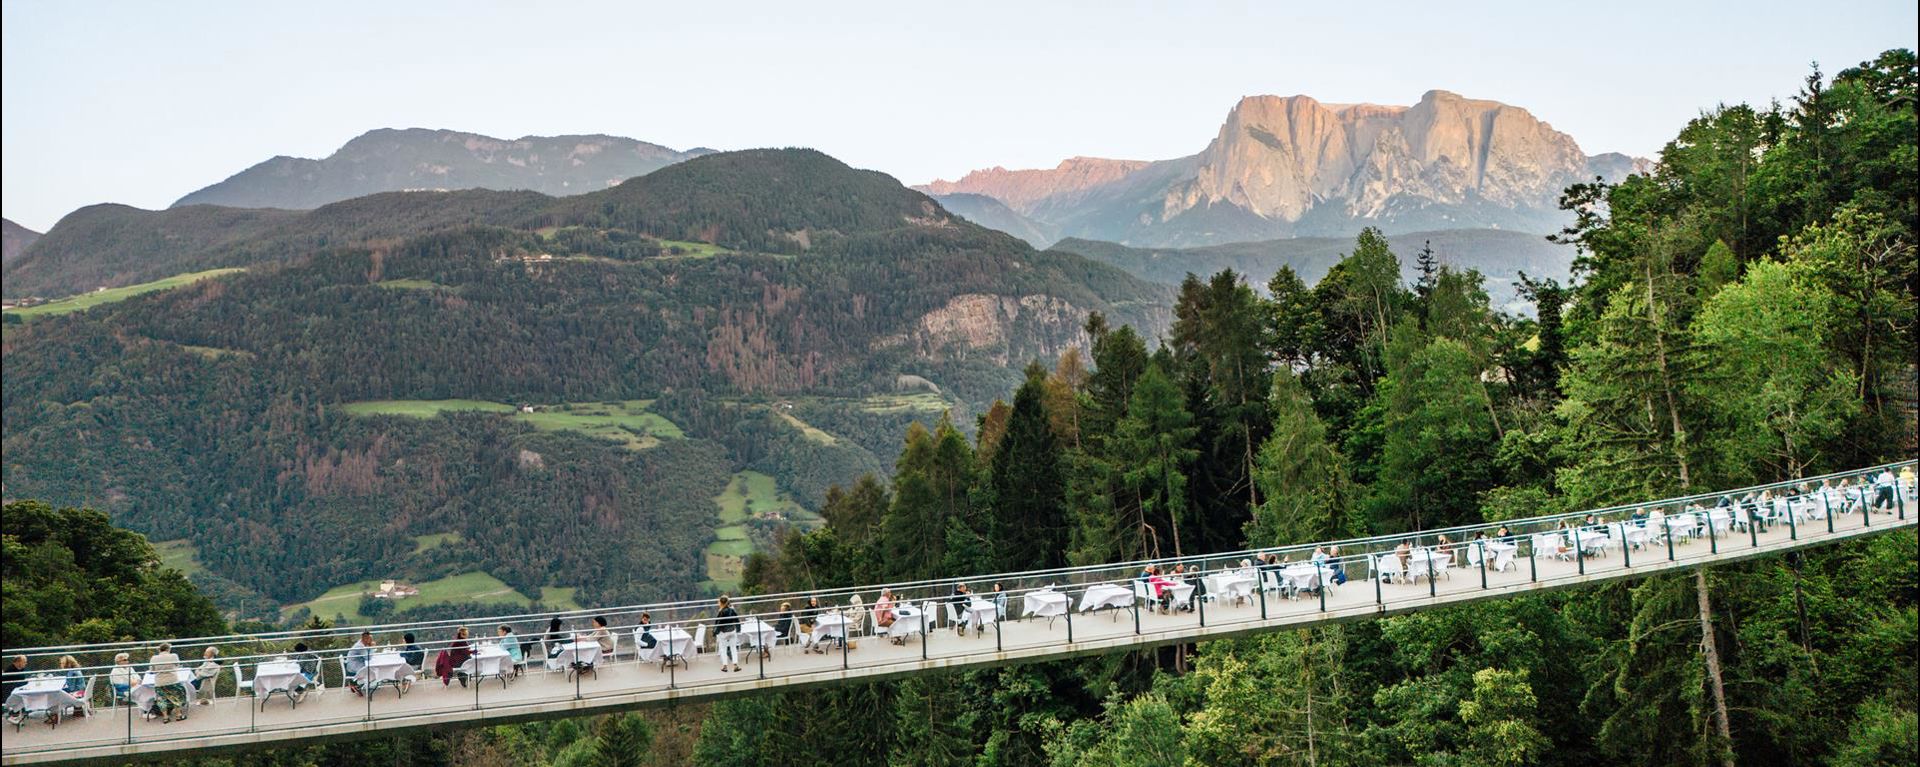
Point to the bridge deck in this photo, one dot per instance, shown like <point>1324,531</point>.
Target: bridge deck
<point>118,733</point>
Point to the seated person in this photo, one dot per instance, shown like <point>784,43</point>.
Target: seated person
<point>961,598</point>
<point>411,651</point>
<point>309,663</point>
<point>75,682</point>
<point>647,639</point>
<point>883,609</point>
<point>206,675</point>
<point>601,635</point>
<point>556,636</point>
<point>121,678</point>
<point>356,660</point>
<point>510,644</point>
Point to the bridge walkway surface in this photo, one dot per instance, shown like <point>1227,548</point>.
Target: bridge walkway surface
<point>119,733</point>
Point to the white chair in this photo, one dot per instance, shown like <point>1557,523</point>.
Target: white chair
<point>953,614</point>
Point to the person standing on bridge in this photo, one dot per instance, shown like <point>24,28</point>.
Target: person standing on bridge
<point>726,628</point>
<point>170,690</point>
<point>1883,486</point>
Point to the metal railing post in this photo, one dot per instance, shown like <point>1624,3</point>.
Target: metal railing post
<point>1533,560</point>
<point>1626,547</point>
<point>1199,606</point>
<point>846,638</point>
<point>1866,511</point>
<point>1793,528</point>
<point>1753,525</point>
<point>1579,552</point>
<point>1375,567</point>
<point>1713,539</point>
<point>1826,502</point>
<point>762,639</point>
<point>997,617</point>
<point>1136,615</point>
<point>1070,621</point>
<point>1667,528</point>
<point>1899,500</point>
<point>670,655</point>
<point>1320,576</point>
<point>1433,586</point>
<point>1483,563</point>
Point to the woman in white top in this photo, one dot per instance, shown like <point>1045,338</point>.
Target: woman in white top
<point>170,689</point>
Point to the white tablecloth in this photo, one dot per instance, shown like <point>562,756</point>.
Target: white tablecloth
<point>830,626</point>
<point>1044,604</point>
<point>755,632</point>
<point>1502,553</point>
<point>1301,576</point>
<point>583,652</point>
<point>981,614</point>
<point>671,640</point>
<point>276,676</point>
<point>907,621</point>
<point>490,661</point>
<point>1234,585</point>
<point>385,668</point>
<point>42,694</point>
<point>1105,595</point>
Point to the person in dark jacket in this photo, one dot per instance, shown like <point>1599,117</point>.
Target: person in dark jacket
<point>411,653</point>
<point>726,629</point>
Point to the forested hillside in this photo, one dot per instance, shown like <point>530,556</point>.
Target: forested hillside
<point>1501,257</point>
<point>257,414</point>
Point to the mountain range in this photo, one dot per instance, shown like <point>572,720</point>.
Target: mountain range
<point>14,240</point>
<point>356,391</point>
<point>1293,166</point>
<point>389,160</point>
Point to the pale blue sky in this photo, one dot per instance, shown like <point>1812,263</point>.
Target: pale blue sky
<point>142,102</point>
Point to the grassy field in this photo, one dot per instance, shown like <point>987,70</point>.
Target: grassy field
<point>179,555</point>
<point>628,423</point>
<point>89,300</point>
<point>918,402</point>
<point>465,587</point>
<point>748,494</point>
<point>411,285</point>
<point>215,352</point>
<point>808,430</point>
<point>421,408</point>
<point>692,249</point>
<point>423,543</point>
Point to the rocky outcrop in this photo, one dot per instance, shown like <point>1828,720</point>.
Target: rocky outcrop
<point>1003,329</point>
<point>1289,166</point>
<point>388,160</point>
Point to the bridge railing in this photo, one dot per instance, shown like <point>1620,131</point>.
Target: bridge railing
<point>1813,504</point>
<point>1853,488</point>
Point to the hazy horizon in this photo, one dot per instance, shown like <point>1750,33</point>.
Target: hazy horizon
<point>138,104</point>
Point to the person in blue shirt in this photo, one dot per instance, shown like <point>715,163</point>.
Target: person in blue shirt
<point>511,644</point>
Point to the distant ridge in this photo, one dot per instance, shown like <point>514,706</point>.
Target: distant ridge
<point>14,238</point>
<point>414,159</point>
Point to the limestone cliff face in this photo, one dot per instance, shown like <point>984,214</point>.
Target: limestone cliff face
<point>1292,166</point>
<point>1001,329</point>
<point>1281,157</point>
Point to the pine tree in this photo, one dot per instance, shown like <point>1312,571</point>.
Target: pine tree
<point>933,721</point>
<point>1154,445</point>
<point>621,741</point>
<point>1027,519</point>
